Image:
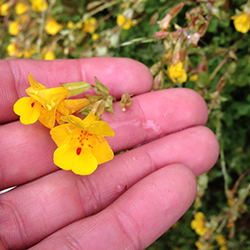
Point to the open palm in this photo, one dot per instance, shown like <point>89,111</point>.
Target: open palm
<point>126,203</point>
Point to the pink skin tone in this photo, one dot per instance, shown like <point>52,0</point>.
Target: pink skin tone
<point>126,203</point>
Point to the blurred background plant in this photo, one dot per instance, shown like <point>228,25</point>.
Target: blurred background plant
<point>201,45</point>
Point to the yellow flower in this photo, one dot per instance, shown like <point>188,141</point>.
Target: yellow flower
<point>81,144</point>
<point>27,53</point>
<point>20,8</point>
<point>242,22</point>
<point>193,77</point>
<point>47,105</point>
<point>39,5</point>
<point>90,26</point>
<point>177,73</point>
<point>198,224</point>
<point>14,28</point>
<point>221,241</point>
<point>52,26</point>
<point>13,50</point>
<point>70,25</point>
<point>123,22</point>
<point>223,248</point>
<point>4,9</point>
<point>198,245</point>
<point>95,36</point>
<point>49,55</point>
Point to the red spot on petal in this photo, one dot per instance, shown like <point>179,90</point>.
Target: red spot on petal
<point>32,104</point>
<point>78,151</point>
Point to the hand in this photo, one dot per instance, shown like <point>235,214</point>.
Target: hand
<point>126,203</point>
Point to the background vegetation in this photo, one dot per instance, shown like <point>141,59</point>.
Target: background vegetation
<point>202,45</point>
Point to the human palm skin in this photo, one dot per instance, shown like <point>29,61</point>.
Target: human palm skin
<point>126,203</point>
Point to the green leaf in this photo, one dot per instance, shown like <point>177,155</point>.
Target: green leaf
<point>76,88</point>
<point>102,89</point>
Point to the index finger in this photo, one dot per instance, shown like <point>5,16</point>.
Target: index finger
<point>131,76</point>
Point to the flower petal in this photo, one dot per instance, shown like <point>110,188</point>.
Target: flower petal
<point>89,119</point>
<point>74,120</point>
<point>68,158</point>
<point>102,151</point>
<point>49,98</point>
<point>62,134</point>
<point>74,105</point>
<point>100,128</point>
<point>28,109</point>
<point>34,84</point>
<point>47,117</point>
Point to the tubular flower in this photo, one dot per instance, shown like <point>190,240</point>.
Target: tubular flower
<point>177,73</point>
<point>52,27</point>
<point>20,8</point>
<point>14,28</point>
<point>123,22</point>
<point>198,224</point>
<point>81,144</point>
<point>13,50</point>
<point>242,22</point>
<point>4,9</point>
<point>39,5</point>
<point>90,25</point>
<point>49,55</point>
<point>47,105</point>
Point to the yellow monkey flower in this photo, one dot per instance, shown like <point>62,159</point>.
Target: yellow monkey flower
<point>81,144</point>
<point>47,105</point>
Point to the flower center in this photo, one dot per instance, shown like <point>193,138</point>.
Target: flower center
<point>85,140</point>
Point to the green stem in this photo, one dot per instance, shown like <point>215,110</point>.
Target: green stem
<point>103,7</point>
<point>222,155</point>
<point>217,69</point>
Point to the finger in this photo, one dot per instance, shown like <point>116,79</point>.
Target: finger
<point>62,197</point>
<point>137,218</point>
<point>151,115</point>
<point>120,75</point>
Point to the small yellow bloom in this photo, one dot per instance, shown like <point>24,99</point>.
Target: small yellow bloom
<point>95,36</point>
<point>14,28</point>
<point>193,77</point>
<point>4,9</point>
<point>198,245</point>
<point>123,22</point>
<point>39,5</point>
<point>70,25</point>
<point>52,26</point>
<point>198,224</point>
<point>81,144</point>
<point>20,8</point>
<point>13,50</point>
<point>27,53</point>
<point>90,26</point>
<point>242,22</point>
<point>47,105</point>
<point>49,55</point>
<point>223,248</point>
<point>177,73</point>
<point>220,239</point>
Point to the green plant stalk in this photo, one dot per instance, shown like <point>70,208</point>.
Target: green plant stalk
<point>103,7</point>
<point>217,69</point>
<point>222,155</point>
<point>39,40</point>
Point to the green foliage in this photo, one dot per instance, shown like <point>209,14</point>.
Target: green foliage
<point>220,59</point>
